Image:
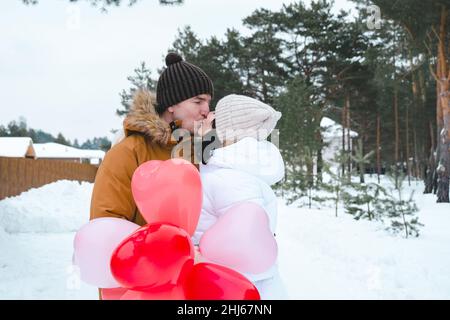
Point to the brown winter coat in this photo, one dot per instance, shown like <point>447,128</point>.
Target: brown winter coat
<point>147,137</point>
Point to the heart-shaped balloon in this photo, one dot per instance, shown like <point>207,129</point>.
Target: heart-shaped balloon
<point>241,239</point>
<point>208,281</point>
<point>171,293</point>
<point>156,255</point>
<point>112,293</point>
<point>168,192</point>
<point>94,244</point>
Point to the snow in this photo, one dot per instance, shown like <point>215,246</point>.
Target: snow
<point>23,146</point>
<point>332,137</point>
<point>332,129</point>
<point>321,256</point>
<point>36,242</point>
<point>56,150</point>
<point>340,258</point>
<point>37,211</point>
<point>17,147</point>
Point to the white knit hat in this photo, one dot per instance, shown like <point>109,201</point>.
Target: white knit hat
<point>239,116</point>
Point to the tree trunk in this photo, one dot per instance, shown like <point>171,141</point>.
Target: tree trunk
<point>417,172</point>
<point>319,158</point>
<point>423,95</point>
<point>443,167</point>
<point>362,168</point>
<point>431,164</point>
<point>408,162</point>
<point>349,163</point>
<point>437,150</point>
<point>415,88</point>
<point>264,88</point>
<point>397,133</point>
<point>378,147</point>
<point>437,153</point>
<point>344,115</point>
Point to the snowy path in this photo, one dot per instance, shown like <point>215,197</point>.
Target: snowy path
<point>321,256</point>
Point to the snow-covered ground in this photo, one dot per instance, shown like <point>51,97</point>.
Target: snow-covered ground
<point>36,242</point>
<point>321,256</point>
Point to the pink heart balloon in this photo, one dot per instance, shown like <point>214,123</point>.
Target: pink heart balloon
<point>168,192</point>
<point>241,239</point>
<point>94,244</point>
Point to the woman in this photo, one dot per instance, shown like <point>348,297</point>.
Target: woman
<point>242,170</point>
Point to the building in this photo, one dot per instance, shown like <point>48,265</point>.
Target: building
<point>56,151</point>
<point>332,138</point>
<point>17,147</point>
<point>23,147</point>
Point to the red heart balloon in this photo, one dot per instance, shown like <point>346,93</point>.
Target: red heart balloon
<point>112,293</point>
<point>171,293</point>
<point>155,255</point>
<point>208,281</point>
<point>168,192</point>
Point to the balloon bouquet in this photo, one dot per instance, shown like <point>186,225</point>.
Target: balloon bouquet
<point>156,261</point>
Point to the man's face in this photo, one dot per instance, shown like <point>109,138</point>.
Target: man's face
<point>191,110</point>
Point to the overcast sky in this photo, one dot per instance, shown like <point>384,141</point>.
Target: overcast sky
<point>62,66</point>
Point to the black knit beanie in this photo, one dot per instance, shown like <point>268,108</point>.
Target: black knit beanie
<point>180,81</point>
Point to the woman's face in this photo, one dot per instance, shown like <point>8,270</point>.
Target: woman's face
<point>191,111</point>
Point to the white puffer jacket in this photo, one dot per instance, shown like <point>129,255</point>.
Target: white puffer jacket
<point>243,171</point>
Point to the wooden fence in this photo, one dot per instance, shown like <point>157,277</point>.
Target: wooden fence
<point>21,174</point>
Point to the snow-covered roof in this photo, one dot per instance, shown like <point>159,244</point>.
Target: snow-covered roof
<point>56,150</point>
<point>17,147</point>
<point>333,129</point>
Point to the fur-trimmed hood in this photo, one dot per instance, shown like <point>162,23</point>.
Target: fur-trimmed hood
<point>143,118</point>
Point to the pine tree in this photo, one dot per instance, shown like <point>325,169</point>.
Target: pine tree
<point>361,159</point>
<point>62,140</point>
<point>295,183</point>
<point>426,24</point>
<point>308,160</point>
<point>335,182</point>
<point>398,209</point>
<point>18,129</point>
<point>266,74</point>
<point>361,200</point>
<point>219,59</point>
<point>298,127</point>
<point>102,143</point>
<point>87,145</point>
<point>142,79</point>
<point>3,131</point>
<point>43,137</point>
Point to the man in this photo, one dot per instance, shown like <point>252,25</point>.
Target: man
<point>183,95</point>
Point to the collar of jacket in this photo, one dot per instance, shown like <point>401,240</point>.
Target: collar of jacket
<point>143,118</point>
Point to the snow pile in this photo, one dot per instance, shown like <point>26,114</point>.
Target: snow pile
<point>3,235</point>
<point>62,206</point>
